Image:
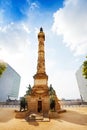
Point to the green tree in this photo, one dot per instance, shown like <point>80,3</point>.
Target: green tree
<point>28,92</point>
<point>2,67</point>
<point>84,68</point>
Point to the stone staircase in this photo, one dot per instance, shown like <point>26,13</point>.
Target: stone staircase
<point>38,117</point>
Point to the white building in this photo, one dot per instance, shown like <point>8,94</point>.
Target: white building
<point>9,84</point>
<point>82,84</point>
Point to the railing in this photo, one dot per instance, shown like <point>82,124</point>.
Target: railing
<point>63,106</point>
<point>9,106</point>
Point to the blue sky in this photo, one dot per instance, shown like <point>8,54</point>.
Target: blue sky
<point>17,10</point>
<point>65,26</point>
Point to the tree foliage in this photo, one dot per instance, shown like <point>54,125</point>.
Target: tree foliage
<point>2,67</point>
<point>84,68</point>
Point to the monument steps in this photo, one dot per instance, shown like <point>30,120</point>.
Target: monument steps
<point>38,117</point>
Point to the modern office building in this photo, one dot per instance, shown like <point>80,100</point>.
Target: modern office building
<point>9,84</point>
<point>82,84</point>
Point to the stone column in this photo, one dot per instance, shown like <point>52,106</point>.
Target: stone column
<point>41,53</point>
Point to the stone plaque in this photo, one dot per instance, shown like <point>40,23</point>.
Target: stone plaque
<point>40,82</point>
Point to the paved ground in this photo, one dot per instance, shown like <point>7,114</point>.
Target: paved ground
<point>74,119</point>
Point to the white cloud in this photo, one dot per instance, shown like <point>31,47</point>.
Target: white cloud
<point>16,50</point>
<point>71,22</point>
<point>26,28</point>
<point>14,37</point>
<point>65,84</point>
<point>34,6</point>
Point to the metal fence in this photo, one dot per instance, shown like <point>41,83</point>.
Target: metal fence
<point>9,106</point>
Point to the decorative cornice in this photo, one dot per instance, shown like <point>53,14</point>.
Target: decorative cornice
<point>40,76</point>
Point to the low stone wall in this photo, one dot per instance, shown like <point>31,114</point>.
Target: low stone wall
<point>22,114</point>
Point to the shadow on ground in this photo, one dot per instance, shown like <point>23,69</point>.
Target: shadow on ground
<point>69,116</point>
<point>35,123</point>
<point>73,117</point>
<point>6,114</point>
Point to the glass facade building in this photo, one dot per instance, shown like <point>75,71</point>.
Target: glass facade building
<point>82,84</point>
<point>9,84</point>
